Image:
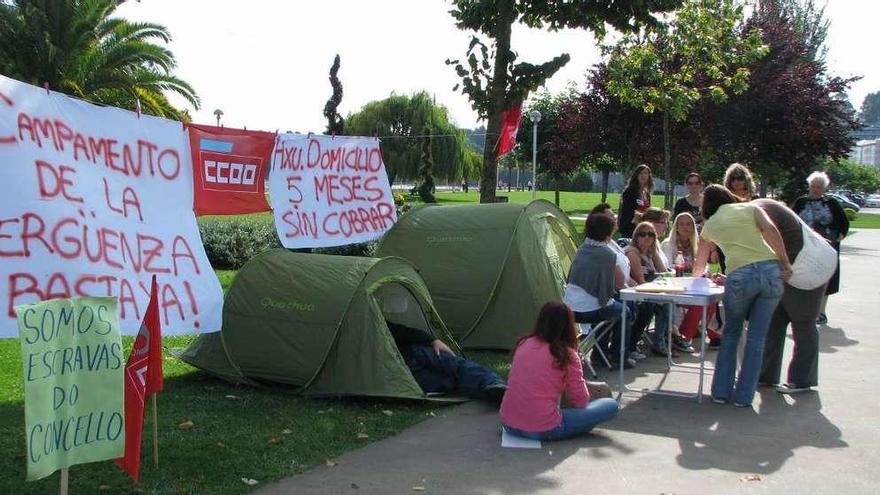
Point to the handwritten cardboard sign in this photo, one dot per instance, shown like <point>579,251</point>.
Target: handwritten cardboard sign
<point>329,191</point>
<point>94,202</point>
<point>72,361</point>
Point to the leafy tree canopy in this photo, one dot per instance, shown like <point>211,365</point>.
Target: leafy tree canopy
<point>494,82</point>
<point>400,122</point>
<point>79,48</point>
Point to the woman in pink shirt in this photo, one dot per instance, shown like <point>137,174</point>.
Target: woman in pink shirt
<point>546,366</point>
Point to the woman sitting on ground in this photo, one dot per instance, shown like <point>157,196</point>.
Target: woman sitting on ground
<point>681,246</point>
<point>545,367</point>
<point>592,281</point>
<point>646,263</point>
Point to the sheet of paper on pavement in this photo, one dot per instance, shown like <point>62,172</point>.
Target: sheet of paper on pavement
<point>512,441</point>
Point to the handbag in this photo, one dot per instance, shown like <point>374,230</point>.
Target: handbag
<point>815,263</point>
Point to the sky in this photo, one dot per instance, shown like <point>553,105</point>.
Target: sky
<point>265,64</point>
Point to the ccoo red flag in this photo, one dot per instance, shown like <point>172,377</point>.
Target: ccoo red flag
<point>510,119</point>
<point>230,167</point>
<point>143,376</point>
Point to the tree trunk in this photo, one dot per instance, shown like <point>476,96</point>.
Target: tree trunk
<point>605,174</point>
<point>556,196</point>
<point>506,16</point>
<point>667,200</point>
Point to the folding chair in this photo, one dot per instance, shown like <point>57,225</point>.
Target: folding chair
<point>587,340</point>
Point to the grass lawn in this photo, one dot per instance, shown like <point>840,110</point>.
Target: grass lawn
<point>572,203</point>
<point>866,221</point>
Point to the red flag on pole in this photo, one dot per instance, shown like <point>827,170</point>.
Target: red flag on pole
<point>143,376</point>
<point>510,119</point>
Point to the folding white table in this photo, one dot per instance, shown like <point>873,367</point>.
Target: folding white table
<point>703,299</point>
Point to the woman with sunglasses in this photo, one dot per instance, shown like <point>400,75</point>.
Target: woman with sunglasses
<point>636,197</point>
<point>691,203</point>
<point>757,265</point>
<point>645,264</point>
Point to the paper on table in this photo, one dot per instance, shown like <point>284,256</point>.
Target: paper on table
<point>512,441</point>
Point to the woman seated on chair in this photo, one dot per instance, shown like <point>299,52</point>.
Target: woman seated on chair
<point>681,248</point>
<point>592,281</point>
<point>545,368</point>
<point>646,263</point>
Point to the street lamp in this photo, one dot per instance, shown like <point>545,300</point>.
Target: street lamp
<point>536,117</point>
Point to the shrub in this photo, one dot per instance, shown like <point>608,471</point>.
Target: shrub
<point>850,214</point>
<point>229,244</point>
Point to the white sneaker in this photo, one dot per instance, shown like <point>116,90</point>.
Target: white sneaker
<point>788,388</point>
<point>636,355</point>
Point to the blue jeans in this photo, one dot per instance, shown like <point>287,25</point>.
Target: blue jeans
<point>608,312</point>
<point>448,373</point>
<point>751,293</point>
<point>574,421</point>
<point>644,312</point>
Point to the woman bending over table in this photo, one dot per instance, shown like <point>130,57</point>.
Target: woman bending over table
<point>757,264</point>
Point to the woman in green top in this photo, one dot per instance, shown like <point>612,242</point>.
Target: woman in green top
<point>757,264</point>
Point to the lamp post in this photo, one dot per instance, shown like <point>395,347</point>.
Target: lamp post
<point>536,117</point>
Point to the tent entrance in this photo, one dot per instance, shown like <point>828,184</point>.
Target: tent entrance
<point>399,305</point>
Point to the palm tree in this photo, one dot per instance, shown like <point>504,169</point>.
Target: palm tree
<point>78,48</point>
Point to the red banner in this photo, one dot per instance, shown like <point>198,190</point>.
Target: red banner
<point>229,169</point>
<point>509,126</point>
<point>143,376</point>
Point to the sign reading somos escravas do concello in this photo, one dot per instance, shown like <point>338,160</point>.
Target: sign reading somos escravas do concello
<point>73,363</point>
<point>93,202</point>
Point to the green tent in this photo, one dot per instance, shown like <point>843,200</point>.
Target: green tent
<point>490,267</point>
<point>317,322</point>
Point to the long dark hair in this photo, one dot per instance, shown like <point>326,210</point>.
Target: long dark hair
<point>555,326</point>
<point>633,186</point>
<point>714,197</point>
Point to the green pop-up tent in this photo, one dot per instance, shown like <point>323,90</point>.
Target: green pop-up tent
<point>489,267</point>
<point>318,322</point>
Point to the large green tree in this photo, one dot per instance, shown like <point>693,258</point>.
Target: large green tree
<point>493,80</point>
<point>401,122</point>
<point>870,111</point>
<point>700,53</point>
<point>79,48</point>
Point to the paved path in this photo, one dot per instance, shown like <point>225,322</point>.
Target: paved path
<point>824,442</point>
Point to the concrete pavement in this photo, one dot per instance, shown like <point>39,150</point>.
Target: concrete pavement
<point>821,442</point>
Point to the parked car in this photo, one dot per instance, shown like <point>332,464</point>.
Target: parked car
<point>844,202</point>
<point>873,201</point>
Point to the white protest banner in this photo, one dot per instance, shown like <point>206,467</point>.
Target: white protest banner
<point>329,190</point>
<point>94,202</point>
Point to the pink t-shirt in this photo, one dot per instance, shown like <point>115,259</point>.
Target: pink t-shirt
<point>535,387</point>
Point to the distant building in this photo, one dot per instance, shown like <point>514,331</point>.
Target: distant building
<point>866,152</point>
<point>870,131</point>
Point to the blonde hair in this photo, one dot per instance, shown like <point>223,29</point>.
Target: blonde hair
<point>673,236</point>
<point>646,226</point>
<point>737,170</point>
